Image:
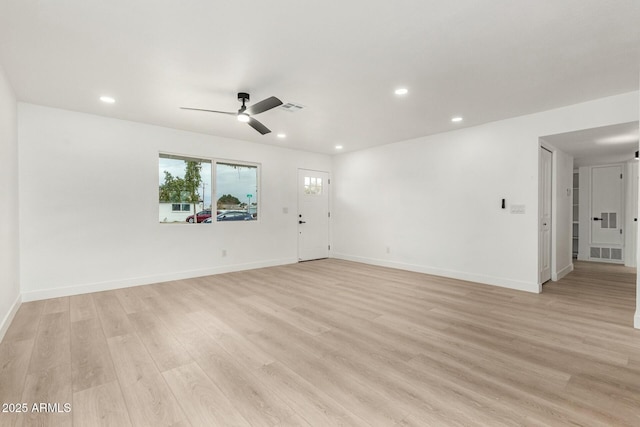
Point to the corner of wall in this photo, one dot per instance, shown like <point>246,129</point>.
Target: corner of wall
<point>6,322</point>
<point>10,292</point>
<point>453,274</point>
<point>558,275</point>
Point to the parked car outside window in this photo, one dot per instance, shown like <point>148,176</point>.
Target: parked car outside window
<point>234,216</point>
<point>201,216</point>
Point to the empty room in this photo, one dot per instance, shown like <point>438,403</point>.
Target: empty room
<point>413,213</point>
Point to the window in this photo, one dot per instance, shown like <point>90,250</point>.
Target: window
<point>178,207</point>
<point>184,189</point>
<point>313,185</point>
<point>236,191</point>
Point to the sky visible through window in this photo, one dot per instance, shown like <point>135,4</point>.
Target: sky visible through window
<point>237,180</point>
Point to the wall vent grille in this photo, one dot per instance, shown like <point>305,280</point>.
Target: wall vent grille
<point>608,220</point>
<point>291,107</point>
<point>616,254</point>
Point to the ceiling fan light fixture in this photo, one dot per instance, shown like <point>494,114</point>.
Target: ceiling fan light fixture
<point>244,113</point>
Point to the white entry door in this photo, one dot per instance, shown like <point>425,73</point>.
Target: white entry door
<point>544,225</point>
<point>606,213</point>
<point>313,215</point>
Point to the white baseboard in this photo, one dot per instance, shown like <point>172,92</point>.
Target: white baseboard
<point>636,320</point>
<point>563,272</point>
<point>4,326</point>
<point>460,275</point>
<point>147,280</point>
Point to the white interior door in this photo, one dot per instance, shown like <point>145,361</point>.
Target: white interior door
<point>606,206</point>
<point>313,215</point>
<point>544,226</point>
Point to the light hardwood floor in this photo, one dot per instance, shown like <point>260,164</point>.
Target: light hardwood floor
<point>329,343</point>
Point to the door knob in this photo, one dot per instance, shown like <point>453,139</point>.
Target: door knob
<point>597,219</point>
<point>302,222</point>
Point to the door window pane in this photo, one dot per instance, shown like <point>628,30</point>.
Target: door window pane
<point>313,185</point>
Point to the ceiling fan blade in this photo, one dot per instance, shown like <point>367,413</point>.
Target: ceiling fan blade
<point>264,105</point>
<point>258,126</point>
<point>209,111</point>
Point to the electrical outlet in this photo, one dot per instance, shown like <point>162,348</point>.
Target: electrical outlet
<point>388,250</point>
<point>224,253</point>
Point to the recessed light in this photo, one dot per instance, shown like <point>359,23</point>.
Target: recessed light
<point>339,147</point>
<point>456,119</point>
<point>282,135</point>
<point>107,99</point>
<point>402,91</point>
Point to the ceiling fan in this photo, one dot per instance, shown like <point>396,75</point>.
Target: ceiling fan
<point>244,113</point>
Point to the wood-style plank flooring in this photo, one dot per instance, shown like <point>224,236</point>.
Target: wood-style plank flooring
<point>330,343</point>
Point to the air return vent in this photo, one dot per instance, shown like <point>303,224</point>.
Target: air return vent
<point>614,254</point>
<point>291,107</point>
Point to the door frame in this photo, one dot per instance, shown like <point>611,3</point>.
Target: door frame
<point>552,230</point>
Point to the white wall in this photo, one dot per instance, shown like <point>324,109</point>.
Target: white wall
<point>434,202</point>
<point>89,205</point>
<point>631,212</point>
<point>584,211</point>
<point>9,242</point>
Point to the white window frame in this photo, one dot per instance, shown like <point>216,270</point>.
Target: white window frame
<point>182,156</point>
<point>213,190</point>
<point>214,178</point>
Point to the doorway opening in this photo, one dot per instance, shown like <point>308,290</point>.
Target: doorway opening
<point>595,196</point>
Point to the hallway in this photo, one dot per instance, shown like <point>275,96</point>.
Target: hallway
<point>603,292</point>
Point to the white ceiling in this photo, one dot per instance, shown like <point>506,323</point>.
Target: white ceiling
<point>484,60</point>
<point>598,146</point>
